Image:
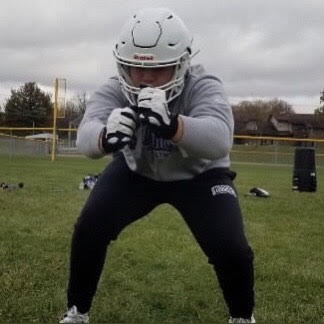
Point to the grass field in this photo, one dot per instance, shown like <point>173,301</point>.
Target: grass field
<point>155,273</point>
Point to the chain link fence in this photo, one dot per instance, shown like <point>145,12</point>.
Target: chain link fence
<point>11,146</point>
<point>268,150</point>
<point>21,142</point>
<point>246,149</point>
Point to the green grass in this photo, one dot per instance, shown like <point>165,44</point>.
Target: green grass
<point>155,272</point>
<point>279,153</point>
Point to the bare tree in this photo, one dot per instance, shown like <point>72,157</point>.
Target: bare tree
<point>260,110</point>
<point>82,99</point>
<point>74,110</point>
<point>320,109</point>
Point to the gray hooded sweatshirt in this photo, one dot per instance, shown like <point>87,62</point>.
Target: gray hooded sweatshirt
<point>207,130</point>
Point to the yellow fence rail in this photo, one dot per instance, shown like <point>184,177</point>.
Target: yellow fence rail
<point>31,129</point>
<point>285,139</point>
<point>243,137</point>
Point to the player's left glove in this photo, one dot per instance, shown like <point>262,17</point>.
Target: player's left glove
<point>153,110</point>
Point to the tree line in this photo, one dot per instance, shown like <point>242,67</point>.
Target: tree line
<point>261,110</point>
<point>29,106</point>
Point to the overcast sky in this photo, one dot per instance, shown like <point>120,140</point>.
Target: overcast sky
<point>259,48</point>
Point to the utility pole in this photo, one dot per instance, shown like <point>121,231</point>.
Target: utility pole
<point>54,119</point>
<point>59,109</point>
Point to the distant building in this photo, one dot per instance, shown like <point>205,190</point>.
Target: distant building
<point>287,125</point>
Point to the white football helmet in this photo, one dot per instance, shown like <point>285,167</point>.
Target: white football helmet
<point>153,37</point>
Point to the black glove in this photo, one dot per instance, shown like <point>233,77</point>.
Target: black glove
<point>120,129</point>
<point>153,110</point>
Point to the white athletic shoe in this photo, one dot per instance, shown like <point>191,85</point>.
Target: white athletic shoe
<point>74,316</point>
<point>233,320</point>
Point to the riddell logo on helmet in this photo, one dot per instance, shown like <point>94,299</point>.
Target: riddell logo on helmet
<point>144,57</point>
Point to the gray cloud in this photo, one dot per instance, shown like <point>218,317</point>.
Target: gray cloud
<point>258,48</point>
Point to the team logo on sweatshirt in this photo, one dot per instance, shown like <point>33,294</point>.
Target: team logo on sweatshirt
<point>160,147</point>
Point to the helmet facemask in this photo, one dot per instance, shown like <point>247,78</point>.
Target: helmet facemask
<point>173,88</point>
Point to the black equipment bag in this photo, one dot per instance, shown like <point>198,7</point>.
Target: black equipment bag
<point>304,175</point>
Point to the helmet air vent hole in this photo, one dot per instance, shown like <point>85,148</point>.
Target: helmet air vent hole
<point>170,17</point>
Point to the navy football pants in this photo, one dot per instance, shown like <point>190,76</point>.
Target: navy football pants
<point>208,205</point>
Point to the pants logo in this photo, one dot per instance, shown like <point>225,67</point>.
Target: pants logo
<point>222,189</point>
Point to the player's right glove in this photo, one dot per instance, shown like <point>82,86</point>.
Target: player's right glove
<point>120,129</point>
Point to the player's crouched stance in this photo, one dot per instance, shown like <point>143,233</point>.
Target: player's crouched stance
<point>170,129</point>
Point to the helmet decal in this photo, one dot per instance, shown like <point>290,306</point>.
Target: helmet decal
<point>143,57</point>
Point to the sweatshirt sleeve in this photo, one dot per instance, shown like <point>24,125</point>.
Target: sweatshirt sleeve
<point>208,126</point>
<point>99,107</point>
